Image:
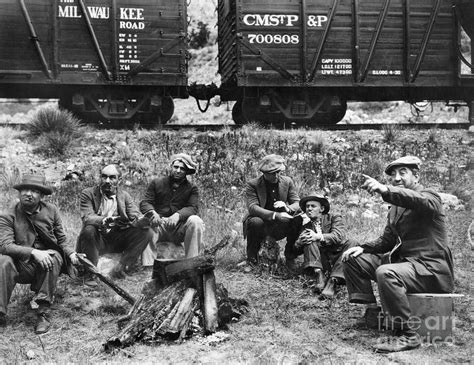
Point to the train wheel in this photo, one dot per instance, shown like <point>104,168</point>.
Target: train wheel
<point>338,112</point>
<point>237,115</point>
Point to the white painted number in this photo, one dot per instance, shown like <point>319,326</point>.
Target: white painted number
<point>274,38</point>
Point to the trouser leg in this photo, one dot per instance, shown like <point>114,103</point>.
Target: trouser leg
<point>8,280</point>
<point>130,242</point>
<point>43,282</point>
<point>358,273</point>
<point>255,236</point>
<point>336,262</point>
<point>312,257</point>
<point>394,281</point>
<point>90,242</point>
<point>193,232</point>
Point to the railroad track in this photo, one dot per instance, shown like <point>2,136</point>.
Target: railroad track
<point>332,127</point>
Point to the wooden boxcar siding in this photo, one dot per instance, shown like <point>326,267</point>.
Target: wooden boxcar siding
<point>137,31</point>
<point>344,59</point>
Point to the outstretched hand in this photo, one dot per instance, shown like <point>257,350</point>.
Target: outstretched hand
<point>373,186</point>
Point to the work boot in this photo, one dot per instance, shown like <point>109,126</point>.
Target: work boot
<point>90,281</point>
<point>118,272</point>
<point>373,318</point>
<point>329,290</point>
<point>42,324</point>
<point>402,341</point>
<point>319,280</point>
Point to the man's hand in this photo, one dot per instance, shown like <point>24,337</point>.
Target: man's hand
<point>109,221</point>
<point>172,220</point>
<point>309,236</point>
<point>280,204</point>
<point>74,259</point>
<point>156,219</point>
<point>351,252</point>
<point>283,217</point>
<point>373,186</point>
<point>44,258</point>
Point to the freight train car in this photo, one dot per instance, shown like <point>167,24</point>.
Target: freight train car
<point>302,60</point>
<point>103,59</point>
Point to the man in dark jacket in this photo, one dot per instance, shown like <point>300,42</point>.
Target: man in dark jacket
<point>271,200</point>
<point>320,236</point>
<point>416,244</point>
<point>33,249</point>
<point>172,203</point>
<point>112,223</point>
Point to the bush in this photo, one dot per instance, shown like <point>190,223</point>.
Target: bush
<point>54,130</point>
<point>200,36</point>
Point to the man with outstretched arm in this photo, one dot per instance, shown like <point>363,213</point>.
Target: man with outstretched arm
<point>416,249</point>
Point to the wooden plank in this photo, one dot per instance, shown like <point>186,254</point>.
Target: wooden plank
<point>209,310</point>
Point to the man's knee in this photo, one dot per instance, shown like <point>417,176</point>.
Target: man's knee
<point>88,232</point>
<point>383,272</point>
<point>255,224</point>
<point>195,222</point>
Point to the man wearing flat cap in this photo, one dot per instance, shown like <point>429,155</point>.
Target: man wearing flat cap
<point>271,200</point>
<point>320,237</point>
<point>417,257</point>
<point>111,223</point>
<point>172,203</point>
<point>33,249</point>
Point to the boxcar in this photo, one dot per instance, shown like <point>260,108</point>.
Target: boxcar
<point>302,60</point>
<point>104,59</point>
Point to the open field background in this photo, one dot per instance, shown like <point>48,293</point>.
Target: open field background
<point>286,322</point>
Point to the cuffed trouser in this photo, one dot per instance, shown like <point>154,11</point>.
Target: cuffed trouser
<point>258,229</point>
<point>394,281</point>
<point>130,242</point>
<point>43,282</point>
<point>190,232</point>
<point>325,258</point>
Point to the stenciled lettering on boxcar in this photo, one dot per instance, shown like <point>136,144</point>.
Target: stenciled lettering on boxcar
<point>336,66</point>
<point>290,21</point>
<point>130,20</point>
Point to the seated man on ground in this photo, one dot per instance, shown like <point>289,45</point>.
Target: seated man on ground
<point>320,237</point>
<point>416,246</point>
<point>111,223</point>
<point>272,200</point>
<point>172,204</point>
<point>33,249</point>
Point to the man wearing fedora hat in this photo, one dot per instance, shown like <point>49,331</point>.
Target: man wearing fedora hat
<point>111,223</point>
<point>417,257</point>
<point>33,249</point>
<point>172,204</point>
<point>271,200</point>
<point>320,237</point>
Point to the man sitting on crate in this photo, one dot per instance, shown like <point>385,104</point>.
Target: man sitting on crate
<point>419,259</point>
<point>172,203</point>
<point>111,223</point>
<point>33,249</point>
<point>321,238</point>
<point>272,200</point>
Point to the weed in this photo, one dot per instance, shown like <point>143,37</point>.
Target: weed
<point>390,132</point>
<point>51,119</point>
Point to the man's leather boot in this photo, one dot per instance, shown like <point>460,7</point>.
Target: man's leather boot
<point>118,272</point>
<point>319,280</point>
<point>42,324</point>
<point>402,341</point>
<point>330,289</point>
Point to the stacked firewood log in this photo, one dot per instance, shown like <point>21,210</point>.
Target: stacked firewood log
<point>181,298</point>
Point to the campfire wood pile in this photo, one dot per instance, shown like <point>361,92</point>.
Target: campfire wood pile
<point>181,294</point>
